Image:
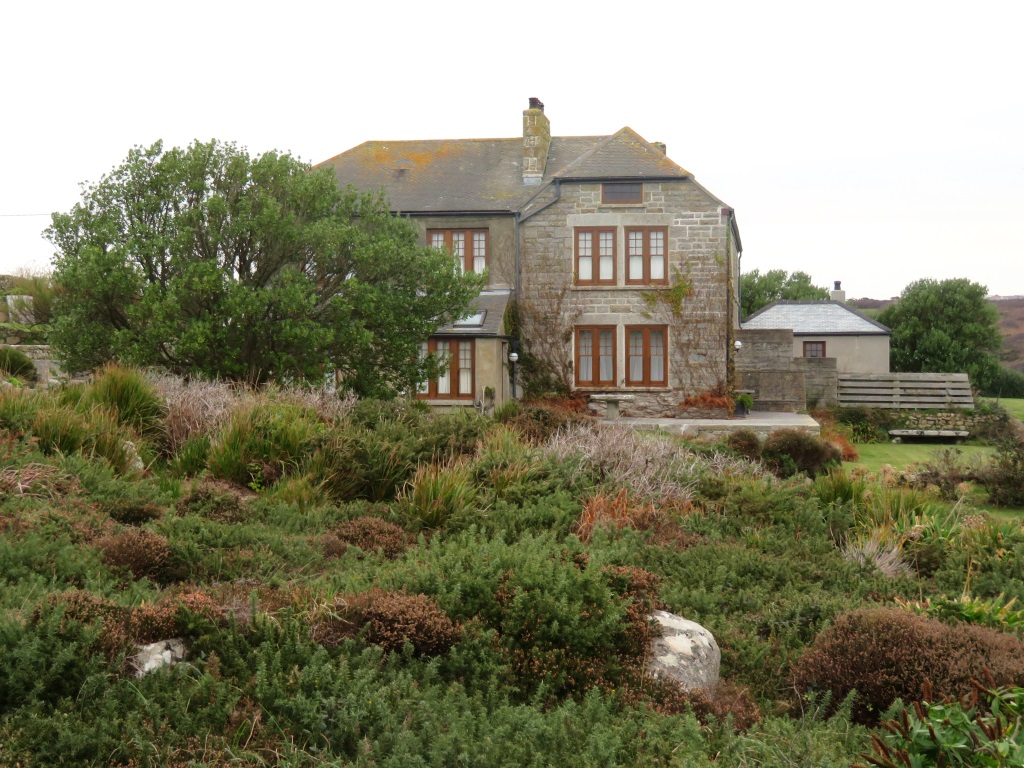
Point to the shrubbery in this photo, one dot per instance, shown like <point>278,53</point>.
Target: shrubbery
<point>788,451</point>
<point>885,654</point>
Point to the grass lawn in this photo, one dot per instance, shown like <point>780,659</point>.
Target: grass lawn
<point>1013,405</point>
<point>899,455</point>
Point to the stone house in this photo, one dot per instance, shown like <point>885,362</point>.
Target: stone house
<point>622,270</point>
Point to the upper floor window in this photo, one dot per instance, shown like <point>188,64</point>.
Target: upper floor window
<point>468,246</point>
<point>814,349</point>
<point>646,364</point>
<point>595,256</point>
<point>595,356</point>
<point>622,193</point>
<point>646,255</point>
<point>456,378</point>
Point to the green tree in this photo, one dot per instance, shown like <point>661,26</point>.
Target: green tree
<point>757,290</point>
<point>207,261</point>
<point>946,327</point>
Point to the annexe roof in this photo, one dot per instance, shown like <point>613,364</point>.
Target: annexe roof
<point>815,318</point>
<point>492,304</point>
<point>486,175</point>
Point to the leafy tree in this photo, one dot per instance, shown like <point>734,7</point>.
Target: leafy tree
<point>945,326</point>
<point>757,290</point>
<point>207,261</point>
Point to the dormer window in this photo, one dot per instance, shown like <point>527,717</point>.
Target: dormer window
<point>622,194</point>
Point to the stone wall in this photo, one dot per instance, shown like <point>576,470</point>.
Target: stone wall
<point>975,422</point>
<point>822,380</point>
<point>42,357</point>
<point>699,253</point>
<point>766,366</point>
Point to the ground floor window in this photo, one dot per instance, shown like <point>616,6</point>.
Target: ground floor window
<point>646,363</point>
<point>814,349</point>
<point>595,356</point>
<point>456,379</point>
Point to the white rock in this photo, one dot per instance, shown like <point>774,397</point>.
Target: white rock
<point>164,653</point>
<point>686,652</point>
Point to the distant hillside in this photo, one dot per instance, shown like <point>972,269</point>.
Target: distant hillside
<point>1011,323</point>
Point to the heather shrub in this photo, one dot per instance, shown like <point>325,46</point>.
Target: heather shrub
<point>988,561</point>
<point>618,511</point>
<point>372,534</point>
<point>745,442</point>
<point>789,451</point>
<point>370,413</point>
<point>16,364</point>
<point>131,510</point>
<point>449,435</point>
<point>387,619</point>
<point>213,501</point>
<point>885,654</point>
<point>539,420</point>
<point>652,466</point>
<point>142,554</point>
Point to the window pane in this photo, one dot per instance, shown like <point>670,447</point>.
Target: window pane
<point>636,243</point>
<point>657,356</point>
<point>424,387</point>
<point>459,243</point>
<point>607,342</point>
<point>437,240</point>
<point>636,267</point>
<point>636,356</point>
<point>657,243</point>
<point>657,267</point>
<point>607,243</point>
<point>586,349</point>
<point>584,244</point>
<point>465,368</point>
<point>479,252</point>
<point>444,381</point>
<point>607,268</point>
<point>586,268</point>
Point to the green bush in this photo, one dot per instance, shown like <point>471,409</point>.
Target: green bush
<point>869,425</point>
<point>16,364</point>
<point>1006,382</point>
<point>885,654</point>
<point>985,730</point>
<point>1004,477</point>
<point>788,451</point>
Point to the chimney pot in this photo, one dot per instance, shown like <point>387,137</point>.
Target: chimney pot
<point>839,285</point>
<point>536,103</point>
<point>661,147</point>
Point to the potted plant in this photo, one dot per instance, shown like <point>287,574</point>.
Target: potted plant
<point>744,403</point>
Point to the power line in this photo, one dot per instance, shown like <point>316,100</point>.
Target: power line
<point>21,215</point>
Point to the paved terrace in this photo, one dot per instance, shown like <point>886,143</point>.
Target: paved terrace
<point>762,422</point>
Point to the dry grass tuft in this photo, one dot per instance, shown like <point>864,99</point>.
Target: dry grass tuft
<point>619,511</point>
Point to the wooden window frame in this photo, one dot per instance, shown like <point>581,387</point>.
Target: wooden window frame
<point>455,345</point>
<point>596,381</point>
<point>467,262</point>
<point>595,270</point>
<point>808,344</point>
<point>646,256</point>
<point>645,354</point>
<point>612,186</point>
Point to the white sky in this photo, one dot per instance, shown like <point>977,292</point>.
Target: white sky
<point>870,142</point>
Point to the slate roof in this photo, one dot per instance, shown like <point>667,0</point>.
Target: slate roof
<point>492,304</point>
<point>815,318</point>
<point>477,175</point>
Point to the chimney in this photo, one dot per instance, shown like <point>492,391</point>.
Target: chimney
<point>660,145</point>
<point>536,140</point>
<point>837,293</point>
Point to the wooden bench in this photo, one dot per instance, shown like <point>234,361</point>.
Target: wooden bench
<point>612,401</point>
<point>958,434</point>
